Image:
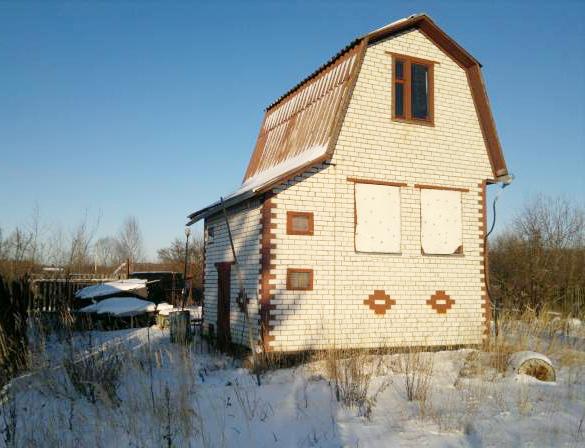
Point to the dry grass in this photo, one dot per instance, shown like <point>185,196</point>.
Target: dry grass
<point>95,375</point>
<point>164,404</point>
<point>545,333</point>
<point>417,368</point>
<point>351,373</point>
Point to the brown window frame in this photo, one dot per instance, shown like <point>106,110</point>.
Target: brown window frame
<point>289,271</point>
<point>407,117</point>
<point>289,223</point>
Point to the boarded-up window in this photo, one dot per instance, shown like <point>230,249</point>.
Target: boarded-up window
<point>441,227</point>
<point>299,279</point>
<point>377,226</point>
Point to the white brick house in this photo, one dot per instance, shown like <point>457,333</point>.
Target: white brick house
<point>361,218</point>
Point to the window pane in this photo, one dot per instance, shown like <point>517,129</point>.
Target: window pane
<point>300,223</point>
<point>420,91</point>
<point>299,280</point>
<point>399,67</point>
<point>399,100</point>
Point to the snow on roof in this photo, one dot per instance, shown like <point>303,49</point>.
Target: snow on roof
<point>257,182</point>
<point>120,307</point>
<point>109,288</point>
<point>262,178</point>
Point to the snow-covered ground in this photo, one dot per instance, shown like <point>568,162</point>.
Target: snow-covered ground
<point>167,395</point>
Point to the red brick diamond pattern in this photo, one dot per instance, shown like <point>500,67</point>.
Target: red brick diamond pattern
<point>379,302</point>
<point>440,302</point>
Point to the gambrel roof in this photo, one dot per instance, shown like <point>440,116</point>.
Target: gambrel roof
<point>300,128</point>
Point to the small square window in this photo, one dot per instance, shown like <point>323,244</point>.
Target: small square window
<point>299,279</point>
<point>299,223</point>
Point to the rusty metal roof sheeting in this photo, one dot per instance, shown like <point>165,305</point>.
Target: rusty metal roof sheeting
<point>305,119</point>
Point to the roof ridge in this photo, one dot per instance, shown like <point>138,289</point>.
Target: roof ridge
<point>340,53</point>
<point>315,73</point>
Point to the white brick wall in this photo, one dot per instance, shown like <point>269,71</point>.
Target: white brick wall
<point>372,146</point>
<point>245,226</point>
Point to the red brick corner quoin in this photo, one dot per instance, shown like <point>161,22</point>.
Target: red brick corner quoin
<point>266,266</point>
<point>374,301</point>
<point>440,302</point>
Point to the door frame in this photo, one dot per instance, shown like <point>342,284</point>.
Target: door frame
<point>223,304</point>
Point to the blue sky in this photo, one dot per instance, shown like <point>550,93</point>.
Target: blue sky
<point>152,108</point>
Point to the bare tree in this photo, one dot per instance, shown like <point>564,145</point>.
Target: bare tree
<point>36,249</point>
<point>55,253</point>
<point>104,251</point>
<point>554,223</point>
<point>80,243</point>
<point>542,256</point>
<point>129,241</point>
<point>2,246</point>
<point>174,255</point>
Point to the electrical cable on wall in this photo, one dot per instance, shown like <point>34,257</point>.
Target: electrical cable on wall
<point>507,180</point>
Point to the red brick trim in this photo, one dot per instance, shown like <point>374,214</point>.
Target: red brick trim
<point>440,302</point>
<point>438,187</point>
<point>356,180</point>
<point>266,266</point>
<point>379,308</point>
<point>483,250</point>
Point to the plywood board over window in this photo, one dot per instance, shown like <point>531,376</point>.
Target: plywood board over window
<point>377,218</point>
<point>441,226</point>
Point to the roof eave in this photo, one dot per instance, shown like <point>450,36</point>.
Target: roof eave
<point>216,207</point>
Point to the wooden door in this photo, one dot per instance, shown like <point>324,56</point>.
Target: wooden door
<point>224,270</point>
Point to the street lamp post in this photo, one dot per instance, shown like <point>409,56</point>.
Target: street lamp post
<point>187,233</point>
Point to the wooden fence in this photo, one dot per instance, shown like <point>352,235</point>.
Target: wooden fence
<point>56,294</point>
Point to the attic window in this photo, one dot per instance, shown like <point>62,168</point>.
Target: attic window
<point>299,223</point>
<point>412,80</point>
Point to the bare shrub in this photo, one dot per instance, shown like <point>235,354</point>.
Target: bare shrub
<point>248,400</point>
<point>8,411</point>
<point>95,375</point>
<point>352,372</point>
<point>417,368</point>
<point>500,351</point>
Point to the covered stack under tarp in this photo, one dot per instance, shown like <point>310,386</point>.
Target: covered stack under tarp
<point>129,287</point>
<point>124,307</point>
